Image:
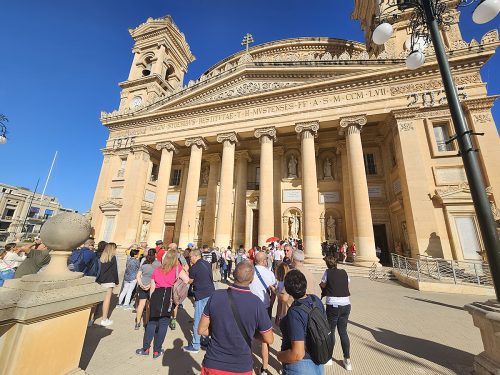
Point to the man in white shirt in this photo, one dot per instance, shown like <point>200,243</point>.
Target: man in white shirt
<point>262,286</point>
<point>16,255</point>
<point>278,255</point>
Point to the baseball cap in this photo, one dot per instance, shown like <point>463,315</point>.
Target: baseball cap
<point>159,242</point>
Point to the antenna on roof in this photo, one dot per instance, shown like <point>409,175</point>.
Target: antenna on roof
<point>247,40</point>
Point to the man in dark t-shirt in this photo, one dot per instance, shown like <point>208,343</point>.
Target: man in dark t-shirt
<point>229,351</point>
<point>200,275</point>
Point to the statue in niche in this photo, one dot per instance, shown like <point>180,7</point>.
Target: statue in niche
<point>330,229</point>
<point>199,230</point>
<point>327,169</point>
<point>292,167</point>
<point>204,175</point>
<point>293,230</point>
<point>144,230</point>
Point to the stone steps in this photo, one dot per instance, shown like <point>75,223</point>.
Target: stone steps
<point>352,270</point>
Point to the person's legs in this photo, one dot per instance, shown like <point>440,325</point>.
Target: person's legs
<point>342,328</point>
<point>229,267</point>
<point>332,314</point>
<point>161,333</point>
<point>265,356</point>
<point>106,303</point>
<point>131,287</point>
<point>199,306</point>
<point>149,333</point>
<point>140,310</point>
<point>123,293</point>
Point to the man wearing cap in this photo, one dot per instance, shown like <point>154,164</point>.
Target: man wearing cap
<point>160,250</point>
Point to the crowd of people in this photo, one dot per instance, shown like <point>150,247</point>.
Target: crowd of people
<point>272,278</point>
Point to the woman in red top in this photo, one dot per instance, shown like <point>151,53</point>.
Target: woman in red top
<point>161,303</point>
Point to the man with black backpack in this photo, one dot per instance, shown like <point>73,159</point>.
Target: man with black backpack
<point>307,339</point>
<point>84,259</point>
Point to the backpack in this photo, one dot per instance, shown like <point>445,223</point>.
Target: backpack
<point>319,339</point>
<point>76,263</point>
<point>94,268</point>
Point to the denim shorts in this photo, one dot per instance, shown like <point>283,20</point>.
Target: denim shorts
<point>305,366</point>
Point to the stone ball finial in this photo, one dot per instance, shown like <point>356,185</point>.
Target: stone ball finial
<point>65,231</point>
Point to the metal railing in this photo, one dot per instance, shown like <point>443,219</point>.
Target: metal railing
<point>437,269</point>
<point>253,185</point>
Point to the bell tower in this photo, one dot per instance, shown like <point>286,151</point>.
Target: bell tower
<point>371,12</point>
<point>161,57</point>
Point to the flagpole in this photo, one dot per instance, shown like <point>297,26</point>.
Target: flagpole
<point>48,177</point>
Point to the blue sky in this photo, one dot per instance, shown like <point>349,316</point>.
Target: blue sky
<point>61,61</point>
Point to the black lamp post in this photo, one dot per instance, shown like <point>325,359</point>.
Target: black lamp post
<point>425,21</point>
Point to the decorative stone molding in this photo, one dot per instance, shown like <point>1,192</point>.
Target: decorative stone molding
<point>352,124</point>
<point>147,207</point>
<point>433,84</point>
<point>169,146</point>
<point>230,137</point>
<point>111,205</point>
<point>490,37</point>
<point>268,133</point>
<point>196,141</point>
<point>212,158</point>
<point>480,104</point>
<point>304,129</point>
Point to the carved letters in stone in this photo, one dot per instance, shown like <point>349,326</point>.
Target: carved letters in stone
<point>406,126</point>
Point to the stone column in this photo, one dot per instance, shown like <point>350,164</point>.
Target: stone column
<point>208,234</point>
<point>136,174</point>
<point>223,226</point>
<point>157,224</point>
<point>311,229</point>
<point>240,202</point>
<point>346,192</point>
<point>363,228</point>
<point>267,136</point>
<point>188,220</point>
<point>278,153</point>
<point>108,170</point>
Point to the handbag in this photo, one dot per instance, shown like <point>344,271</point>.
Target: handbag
<point>237,317</point>
<point>179,289</point>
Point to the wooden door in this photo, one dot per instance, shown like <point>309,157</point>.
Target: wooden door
<point>255,228</point>
<point>168,237</point>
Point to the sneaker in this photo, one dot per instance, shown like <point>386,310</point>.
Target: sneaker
<point>263,372</point>
<point>106,322</point>
<point>157,354</point>
<point>347,364</point>
<point>190,349</point>
<point>329,363</point>
<point>142,351</point>
<point>173,324</point>
<point>118,306</point>
<point>128,307</point>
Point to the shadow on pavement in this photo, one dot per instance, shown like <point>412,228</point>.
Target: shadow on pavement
<point>185,322</point>
<point>92,338</point>
<point>445,356</point>
<point>436,303</point>
<point>257,357</point>
<point>180,362</point>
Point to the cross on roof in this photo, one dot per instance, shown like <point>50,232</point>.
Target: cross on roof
<point>247,40</point>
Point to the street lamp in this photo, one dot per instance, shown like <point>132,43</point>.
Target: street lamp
<point>3,129</point>
<point>425,20</point>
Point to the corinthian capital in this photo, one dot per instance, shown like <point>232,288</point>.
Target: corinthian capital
<point>306,129</point>
<point>266,133</point>
<point>230,137</point>
<point>196,141</point>
<point>169,146</point>
<point>352,124</point>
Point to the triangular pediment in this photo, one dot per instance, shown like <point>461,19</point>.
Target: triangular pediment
<point>111,205</point>
<point>454,194</point>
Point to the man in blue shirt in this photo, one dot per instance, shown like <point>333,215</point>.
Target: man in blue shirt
<point>200,275</point>
<point>229,351</point>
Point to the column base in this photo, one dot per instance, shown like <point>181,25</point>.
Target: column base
<point>486,317</point>
<point>362,261</point>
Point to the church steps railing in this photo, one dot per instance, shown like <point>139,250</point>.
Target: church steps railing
<point>443,270</point>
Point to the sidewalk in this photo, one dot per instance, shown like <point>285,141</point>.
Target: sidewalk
<point>393,330</point>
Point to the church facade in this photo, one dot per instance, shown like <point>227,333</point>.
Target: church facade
<point>314,138</point>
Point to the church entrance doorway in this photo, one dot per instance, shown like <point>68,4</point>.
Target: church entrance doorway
<point>168,236</point>
<point>380,235</point>
<point>255,227</point>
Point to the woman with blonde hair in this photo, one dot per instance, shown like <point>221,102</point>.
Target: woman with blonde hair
<point>282,308</point>
<point>161,302</point>
<point>108,278</point>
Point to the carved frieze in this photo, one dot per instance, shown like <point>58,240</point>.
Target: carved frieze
<point>433,84</point>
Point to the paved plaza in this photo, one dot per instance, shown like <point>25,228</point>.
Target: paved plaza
<point>393,330</point>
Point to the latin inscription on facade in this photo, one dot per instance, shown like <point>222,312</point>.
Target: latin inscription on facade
<point>449,175</point>
<point>375,191</point>
<point>173,198</point>
<point>292,196</point>
<point>329,197</point>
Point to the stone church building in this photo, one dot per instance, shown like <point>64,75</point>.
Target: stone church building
<point>318,138</point>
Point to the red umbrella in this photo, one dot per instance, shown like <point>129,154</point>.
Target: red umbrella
<point>272,239</point>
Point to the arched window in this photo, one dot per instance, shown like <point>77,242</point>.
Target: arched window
<point>169,73</point>
<point>148,64</point>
